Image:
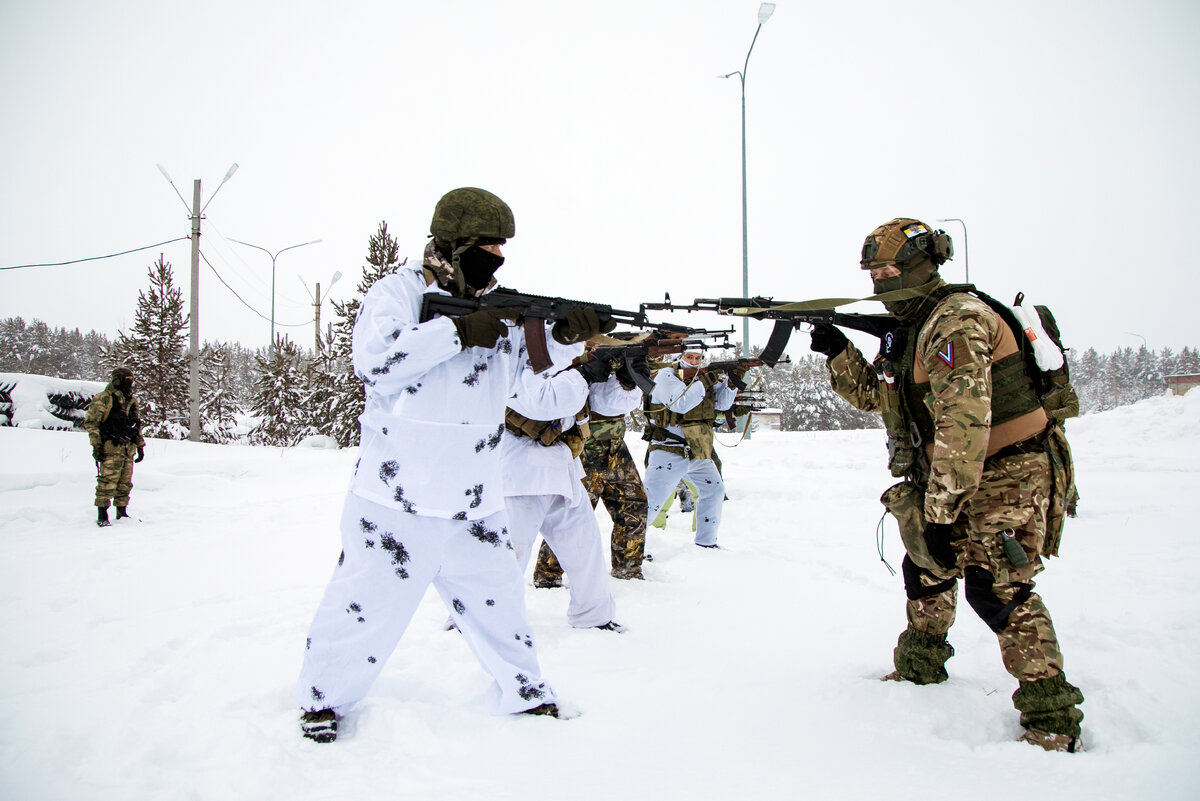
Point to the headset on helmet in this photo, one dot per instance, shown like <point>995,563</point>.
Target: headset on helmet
<point>903,239</point>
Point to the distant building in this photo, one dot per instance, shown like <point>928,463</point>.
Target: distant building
<point>1180,384</point>
<point>768,420</point>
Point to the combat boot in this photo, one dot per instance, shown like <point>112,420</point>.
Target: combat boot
<point>121,512</point>
<point>102,516</point>
<point>550,710</point>
<point>319,725</point>
<point>628,572</point>
<point>1051,742</point>
<point>545,583</point>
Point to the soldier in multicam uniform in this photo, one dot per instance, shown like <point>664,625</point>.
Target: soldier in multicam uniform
<point>968,433</point>
<point>115,433</point>
<point>610,475</point>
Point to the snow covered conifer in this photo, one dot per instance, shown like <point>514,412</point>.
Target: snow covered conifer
<point>344,398</point>
<point>156,352</point>
<point>280,395</point>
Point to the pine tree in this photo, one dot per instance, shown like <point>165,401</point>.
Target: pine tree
<point>279,396</point>
<point>342,397</point>
<point>217,402</point>
<point>156,352</point>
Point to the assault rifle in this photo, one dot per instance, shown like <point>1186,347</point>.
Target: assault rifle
<point>660,343</point>
<point>787,317</point>
<point>534,311</point>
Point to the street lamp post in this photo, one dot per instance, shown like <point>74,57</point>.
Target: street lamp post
<point>966,254</point>
<point>273,256</point>
<point>196,214</point>
<point>764,13</point>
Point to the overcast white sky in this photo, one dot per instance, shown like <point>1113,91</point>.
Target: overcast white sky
<point>1063,133</point>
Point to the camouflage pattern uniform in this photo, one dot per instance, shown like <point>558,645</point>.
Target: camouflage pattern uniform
<point>612,477</point>
<point>112,421</point>
<point>982,478</point>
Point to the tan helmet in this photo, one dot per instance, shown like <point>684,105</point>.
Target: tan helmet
<point>903,239</point>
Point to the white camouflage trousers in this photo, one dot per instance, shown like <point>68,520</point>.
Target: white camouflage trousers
<point>389,558</point>
<point>574,535</point>
<point>665,470</point>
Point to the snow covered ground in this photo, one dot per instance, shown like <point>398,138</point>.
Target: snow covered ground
<point>155,659</point>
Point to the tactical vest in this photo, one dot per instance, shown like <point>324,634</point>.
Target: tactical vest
<point>121,426</point>
<point>550,432</point>
<point>1018,418</point>
<point>697,426</point>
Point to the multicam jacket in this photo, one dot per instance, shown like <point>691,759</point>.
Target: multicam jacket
<point>112,417</point>
<point>947,378</point>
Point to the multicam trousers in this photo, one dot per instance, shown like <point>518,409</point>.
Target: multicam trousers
<point>612,477</point>
<point>116,474</point>
<point>1012,497</point>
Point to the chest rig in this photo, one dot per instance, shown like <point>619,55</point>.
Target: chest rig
<point>904,401</point>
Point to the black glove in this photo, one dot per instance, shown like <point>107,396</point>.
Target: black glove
<point>828,340</point>
<point>481,329</point>
<point>595,371</point>
<point>737,378</point>
<point>581,324</point>
<point>98,452</point>
<point>634,365</point>
<point>141,454</point>
<point>937,541</point>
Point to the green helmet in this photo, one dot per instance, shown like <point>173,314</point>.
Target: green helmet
<point>470,215</point>
<point>120,374</point>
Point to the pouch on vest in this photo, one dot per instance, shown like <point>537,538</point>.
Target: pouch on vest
<point>907,504</point>
<point>1062,472</point>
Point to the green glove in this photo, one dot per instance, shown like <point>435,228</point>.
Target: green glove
<point>98,452</point>
<point>483,328</point>
<point>582,323</point>
<point>737,378</point>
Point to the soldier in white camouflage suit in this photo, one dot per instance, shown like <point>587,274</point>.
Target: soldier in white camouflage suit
<point>426,503</point>
<point>968,434</point>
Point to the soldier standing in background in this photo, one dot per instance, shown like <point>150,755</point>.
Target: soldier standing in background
<point>969,435</point>
<point>115,433</point>
<point>679,427</point>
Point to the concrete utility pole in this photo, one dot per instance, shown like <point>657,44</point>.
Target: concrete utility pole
<point>194,316</point>
<point>196,213</point>
<point>317,320</point>
<point>317,309</point>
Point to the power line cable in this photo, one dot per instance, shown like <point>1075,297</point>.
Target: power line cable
<point>244,303</point>
<point>95,258</point>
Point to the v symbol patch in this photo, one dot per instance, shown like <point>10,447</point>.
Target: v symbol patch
<point>947,354</point>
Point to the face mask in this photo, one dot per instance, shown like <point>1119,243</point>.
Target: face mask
<point>127,386</point>
<point>478,266</point>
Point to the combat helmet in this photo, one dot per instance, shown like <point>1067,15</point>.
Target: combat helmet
<point>463,219</point>
<point>917,251</point>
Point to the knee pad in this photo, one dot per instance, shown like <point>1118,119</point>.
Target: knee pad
<point>982,598</point>
<point>913,587</point>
